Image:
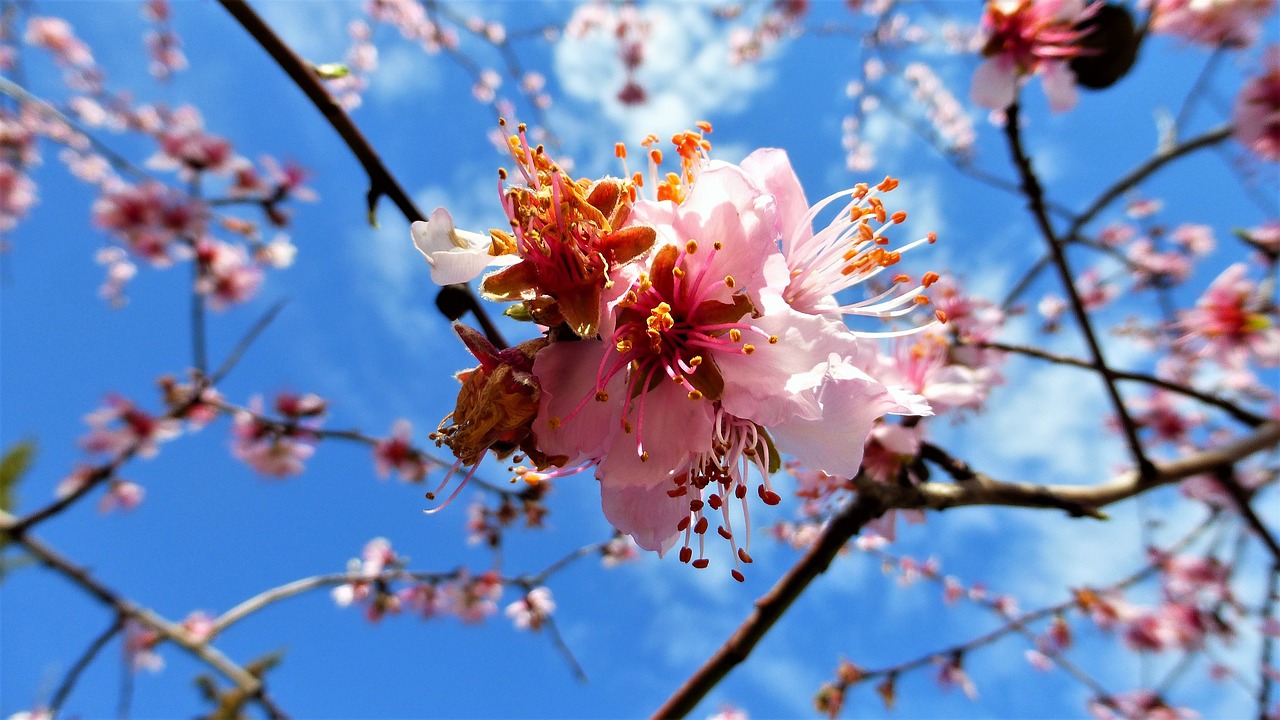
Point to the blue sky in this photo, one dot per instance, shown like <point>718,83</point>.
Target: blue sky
<point>360,329</point>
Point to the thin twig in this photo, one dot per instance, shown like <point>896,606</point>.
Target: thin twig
<point>126,609</point>
<point>1226,477</point>
<point>1117,189</point>
<point>243,346</point>
<point>1143,171</point>
<point>1035,197</point>
<point>1197,88</point>
<point>73,675</point>
<point>553,632</point>
<point>1235,411</point>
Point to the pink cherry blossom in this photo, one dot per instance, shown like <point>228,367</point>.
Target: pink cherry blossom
<point>532,611</point>
<point>1160,412</point>
<point>186,146</point>
<point>139,647</point>
<point>56,36</point>
<point>150,218</point>
<point>424,599</point>
<point>199,624</point>
<point>1216,23</point>
<point>227,275</point>
<point>1138,705</point>
<point>397,453</point>
<point>848,251</point>
<point>121,495</point>
<point>474,599</point>
<point>705,341</point>
<point>17,195</point>
<point>1194,238</point>
<point>1257,109</point>
<point>1025,38</point>
<point>122,427</point>
<point>1230,324</point>
<point>275,450</point>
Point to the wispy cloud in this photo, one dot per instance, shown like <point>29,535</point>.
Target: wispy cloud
<point>686,72</point>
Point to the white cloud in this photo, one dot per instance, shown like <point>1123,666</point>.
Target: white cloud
<point>404,70</point>
<point>317,32</point>
<point>686,72</point>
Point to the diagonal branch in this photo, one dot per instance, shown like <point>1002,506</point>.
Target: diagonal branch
<point>381,181</point>
<point>1035,197</point>
<point>770,607</point>
<point>126,609</point>
<point>971,488</point>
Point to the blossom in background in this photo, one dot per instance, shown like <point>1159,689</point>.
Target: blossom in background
<point>139,647</point>
<point>150,219</point>
<point>185,146</point>
<point>199,624</point>
<point>1231,325</point>
<point>1025,38</point>
<point>276,449</point>
<point>1257,109</point>
<point>121,495</point>
<point>397,453</point>
<point>473,599</point>
<point>17,195</point>
<point>227,275</point>
<point>532,611</point>
<point>121,427</point>
<point>1216,23</point>
<point>56,36</point>
<point>376,558</point>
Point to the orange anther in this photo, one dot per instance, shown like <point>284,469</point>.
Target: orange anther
<point>930,278</point>
<point>942,317</point>
<point>921,300</point>
<point>620,150</point>
<point>899,217</point>
<point>704,126</point>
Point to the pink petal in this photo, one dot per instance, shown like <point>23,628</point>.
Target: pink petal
<point>771,168</point>
<point>647,514</point>
<point>850,403</point>
<point>995,84</point>
<point>1060,85</point>
<point>567,372</point>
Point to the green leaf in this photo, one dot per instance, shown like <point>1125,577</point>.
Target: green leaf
<point>15,463</point>
<point>331,71</point>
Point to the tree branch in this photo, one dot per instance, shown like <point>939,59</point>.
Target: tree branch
<point>981,489</point>
<point>1235,411</point>
<point>773,604</point>
<point>1035,197</point>
<point>125,609</point>
<point>381,181</point>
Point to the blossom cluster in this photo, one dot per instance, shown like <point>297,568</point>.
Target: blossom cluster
<point>470,598</point>
<point>153,222</point>
<point>689,337</point>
